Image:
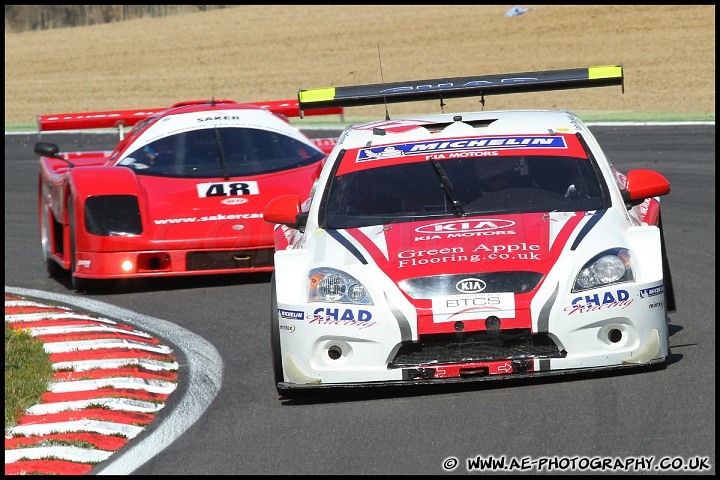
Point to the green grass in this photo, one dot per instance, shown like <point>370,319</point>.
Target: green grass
<point>589,117</point>
<point>28,371</point>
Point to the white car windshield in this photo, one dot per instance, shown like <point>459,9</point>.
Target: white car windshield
<point>461,187</point>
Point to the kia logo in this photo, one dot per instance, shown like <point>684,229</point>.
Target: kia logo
<point>470,285</point>
<point>455,226</point>
<point>234,201</point>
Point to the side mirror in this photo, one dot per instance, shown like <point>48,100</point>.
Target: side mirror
<point>642,184</point>
<point>285,210</point>
<point>46,149</point>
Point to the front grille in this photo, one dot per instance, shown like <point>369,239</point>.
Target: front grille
<point>230,259</point>
<point>475,347</point>
<point>429,287</point>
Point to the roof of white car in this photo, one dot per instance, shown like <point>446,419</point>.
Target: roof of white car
<point>464,124</point>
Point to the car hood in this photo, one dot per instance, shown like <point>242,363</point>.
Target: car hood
<point>529,242</point>
<point>229,212</point>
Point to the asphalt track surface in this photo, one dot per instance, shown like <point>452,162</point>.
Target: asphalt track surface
<point>226,417</point>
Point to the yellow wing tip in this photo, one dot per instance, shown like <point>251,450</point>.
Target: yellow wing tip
<point>607,71</point>
<point>317,95</point>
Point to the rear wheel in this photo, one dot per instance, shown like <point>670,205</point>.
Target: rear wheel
<point>79,284</point>
<point>667,277</point>
<point>667,282</point>
<point>54,270</point>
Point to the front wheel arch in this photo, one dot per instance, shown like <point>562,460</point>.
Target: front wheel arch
<point>79,284</point>
<point>275,336</point>
<point>53,268</point>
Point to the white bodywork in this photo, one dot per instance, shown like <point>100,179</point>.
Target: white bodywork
<point>323,343</point>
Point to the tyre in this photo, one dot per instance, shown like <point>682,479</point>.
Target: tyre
<point>288,393</point>
<point>667,277</point>
<point>54,270</point>
<point>275,339</point>
<point>670,305</point>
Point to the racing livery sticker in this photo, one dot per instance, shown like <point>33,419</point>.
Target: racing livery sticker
<point>209,218</point>
<point>479,306</point>
<point>521,251</point>
<point>652,291</point>
<point>600,301</point>
<point>467,144</point>
<point>362,158</point>
<point>347,317</point>
<point>234,201</point>
<point>221,119</point>
<point>291,314</point>
<point>394,126</point>
<point>227,189</point>
<point>348,314</point>
<point>467,227</point>
<point>470,285</point>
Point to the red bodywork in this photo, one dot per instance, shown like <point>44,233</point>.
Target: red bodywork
<point>184,230</point>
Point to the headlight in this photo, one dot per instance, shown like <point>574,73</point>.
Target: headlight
<point>330,285</point>
<point>611,266</point>
<point>113,215</point>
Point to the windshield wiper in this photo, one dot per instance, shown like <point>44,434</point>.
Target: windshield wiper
<point>448,188</point>
<point>221,154</point>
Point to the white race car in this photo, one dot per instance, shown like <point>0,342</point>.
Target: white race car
<point>467,246</point>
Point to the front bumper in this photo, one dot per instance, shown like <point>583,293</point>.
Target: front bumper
<point>109,265</point>
<point>352,352</point>
<point>479,376</point>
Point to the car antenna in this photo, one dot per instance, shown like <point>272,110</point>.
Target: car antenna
<point>382,80</point>
<point>212,92</point>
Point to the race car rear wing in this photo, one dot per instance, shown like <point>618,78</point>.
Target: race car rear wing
<point>127,118</point>
<point>457,87</point>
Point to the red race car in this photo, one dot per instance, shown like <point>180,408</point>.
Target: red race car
<point>182,193</point>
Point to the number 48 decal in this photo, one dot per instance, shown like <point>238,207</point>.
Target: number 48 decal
<point>227,189</point>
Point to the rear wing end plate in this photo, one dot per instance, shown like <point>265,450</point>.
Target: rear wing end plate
<point>457,87</point>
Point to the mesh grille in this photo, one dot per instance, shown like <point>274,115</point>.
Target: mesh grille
<point>428,287</point>
<point>475,347</point>
<point>230,259</point>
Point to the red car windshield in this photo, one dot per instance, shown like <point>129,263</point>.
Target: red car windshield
<point>221,152</point>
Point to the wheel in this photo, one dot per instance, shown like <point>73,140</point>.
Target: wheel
<point>667,282</point>
<point>289,393</point>
<point>79,284</point>
<point>275,339</point>
<point>54,270</point>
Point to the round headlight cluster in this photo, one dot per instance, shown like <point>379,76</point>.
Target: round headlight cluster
<point>330,285</point>
<point>610,267</point>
